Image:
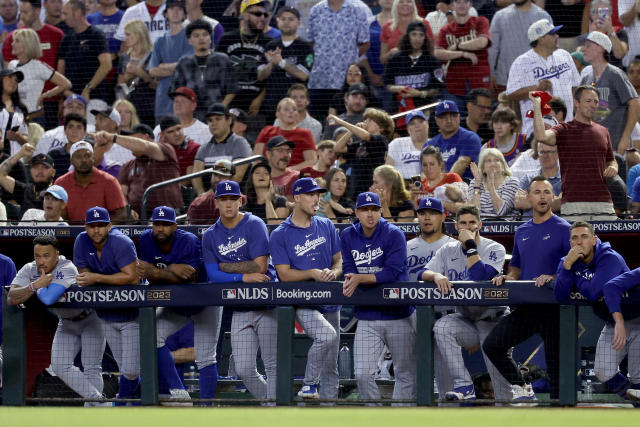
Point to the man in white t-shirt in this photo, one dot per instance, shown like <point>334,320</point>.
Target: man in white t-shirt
<point>156,24</point>
<point>54,200</point>
<point>544,67</point>
<point>404,152</point>
<point>185,102</point>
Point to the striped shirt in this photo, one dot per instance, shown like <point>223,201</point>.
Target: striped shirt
<point>506,191</point>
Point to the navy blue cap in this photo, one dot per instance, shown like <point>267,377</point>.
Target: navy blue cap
<point>97,214</point>
<point>306,185</point>
<point>447,107</point>
<point>430,203</point>
<point>228,188</point>
<point>412,115</point>
<point>368,198</point>
<point>164,214</point>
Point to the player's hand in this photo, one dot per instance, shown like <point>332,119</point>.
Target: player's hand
<point>542,280</point>
<point>575,253</point>
<point>145,270</point>
<point>86,279</point>
<point>328,275</point>
<point>43,281</point>
<point>183,271</point>
<point>316,274</point>
<point>254,278</point>
<point>544,85</point>
<point>619,337</point>
<point>499,280</point>
<point>351,282</point>
<point>520,199</point>
<point>444,285</point>
<point>86,94</point>
<point>464,235</point>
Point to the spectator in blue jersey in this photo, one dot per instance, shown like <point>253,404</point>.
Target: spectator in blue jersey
<point>7,273</point>
<point>9,14</point>
<point>587,267</point>
<point>546,234</point>
<point>107,19</point>
<point>167,50</point>
<point>171,255</point>
<point>105,256</point>
<point>307,247</point>
<point>458,145</point>
<point>236,249</point>
<point>374,252</point>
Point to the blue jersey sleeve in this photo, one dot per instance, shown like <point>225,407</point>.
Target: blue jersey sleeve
<point>8,272</point>
<point>395,265</point>
<point>348,264</point>
<point>515,254</point>
<point>192,251</point>
<point>51,293</point>
<point>208,249</point>
<point>607,267</point>
<point>259,238</point>
<point>564,282</point>
<point>336,244</point>
<point>124,252</point>
<point>216,276</point>
<point>145,246</point>
<point>277,247</point>
<point>471,147</point>
<point>80,251</point>
<point>618,285</point>
<point>481,271</point>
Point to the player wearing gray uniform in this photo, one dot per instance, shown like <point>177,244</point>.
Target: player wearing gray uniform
<point>48,277</point>
<point>470,258</point>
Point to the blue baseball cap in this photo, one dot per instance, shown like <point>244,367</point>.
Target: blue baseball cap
<point>163,214</point>
<point>76,97</point>
<point>412,115</point>
<point>306,185</point>
<point>228,188</point>
<point>368,198</point>
<point>57,192</point>
<point>97,214</point>
<point>430,203</point>
<point>447,107</point>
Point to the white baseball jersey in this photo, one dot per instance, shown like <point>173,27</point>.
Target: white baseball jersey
<point>405,156</point>
<point>158,25</point>
<point>197,131</point>
<point>55,138</point>
<point>529,68</point>
<point>419,253</point>
<point>64,274</point>
<point>451,261</point>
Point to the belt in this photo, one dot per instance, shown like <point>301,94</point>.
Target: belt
<point>493,316</point>
<point>80,316</point>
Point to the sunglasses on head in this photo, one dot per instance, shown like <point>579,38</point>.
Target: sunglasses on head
<point>259,14</point>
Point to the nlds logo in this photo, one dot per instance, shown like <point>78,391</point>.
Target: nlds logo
<point>391,293</point>
<point>246,293</point>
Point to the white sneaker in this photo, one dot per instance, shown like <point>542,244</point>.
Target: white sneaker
<point>178,394</point>
<point>633,394</point>
<point>523,395</point>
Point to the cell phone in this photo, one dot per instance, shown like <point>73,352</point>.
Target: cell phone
<point>416,181</point>
<point>15,128</point>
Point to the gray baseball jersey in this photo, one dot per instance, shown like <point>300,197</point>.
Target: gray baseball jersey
<point>420,252</point>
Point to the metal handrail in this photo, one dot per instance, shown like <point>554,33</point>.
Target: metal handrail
<point>145,196</point>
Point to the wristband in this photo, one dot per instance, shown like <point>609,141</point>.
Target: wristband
<point>470,244</point>
<point>471,252</point>
<point>282,63</point>
<point>115,136</point>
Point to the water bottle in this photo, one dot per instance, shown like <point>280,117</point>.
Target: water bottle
<point>588,390</point>
<point>344,362</point>
<point>191,377</point>
<point>231,372</point>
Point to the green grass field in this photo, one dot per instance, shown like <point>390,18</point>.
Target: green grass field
<point>312,417</point>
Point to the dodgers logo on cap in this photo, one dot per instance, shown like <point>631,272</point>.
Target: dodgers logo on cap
<point>228,188</point>
<point>431,204</point>
<point>368,198</point>
<point>163,214</point>
<point>97,214</point>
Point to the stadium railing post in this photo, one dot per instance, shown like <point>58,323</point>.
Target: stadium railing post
<point>425,319</point>
<point>14,368</point>
<point>284,385</point>
<point>568,354</point>
<point>148,356</point>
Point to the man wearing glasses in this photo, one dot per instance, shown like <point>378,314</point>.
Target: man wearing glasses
<point>279,151</point>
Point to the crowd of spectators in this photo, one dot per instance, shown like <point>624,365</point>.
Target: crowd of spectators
<point>405,98</point>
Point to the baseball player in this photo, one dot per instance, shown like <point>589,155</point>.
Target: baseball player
<point>588,266</point>
<point>307,247</point>
<point>546,234</point>
<point>421,249</point>
<point>105,256</point>
<point>48,277</point>
<point>236,249</point>
<point>373,252</point>
<point>470,258</point>
<point>169,255</point>
<point>7,273</point>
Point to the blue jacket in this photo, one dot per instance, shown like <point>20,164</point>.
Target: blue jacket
<point>589,279</point>
<point>384,255</point>
<point>614,289</point>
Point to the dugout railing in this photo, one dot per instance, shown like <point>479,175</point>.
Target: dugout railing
<point>287,296</point>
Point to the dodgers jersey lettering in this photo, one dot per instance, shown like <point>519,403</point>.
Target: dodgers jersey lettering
<point>419,253</point>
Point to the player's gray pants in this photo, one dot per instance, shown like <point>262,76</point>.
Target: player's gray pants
<point>451,333</point>
<point>206,330</point>
<point>86,334</point>
<point>607,359</point>
<point>322,359</point>
<point>400,337</point>
<point>250,330</point>
<point>124,340</point>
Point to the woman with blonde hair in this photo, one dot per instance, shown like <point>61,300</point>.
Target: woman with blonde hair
<point>134,82</point>
<point>394,197</point>
<point>128,114</point>
<point>403,13</point>
<point>493,188</point>
<point>26,47</point>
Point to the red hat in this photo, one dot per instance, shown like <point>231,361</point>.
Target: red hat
<point>186,92</point>
<point>544,98</point>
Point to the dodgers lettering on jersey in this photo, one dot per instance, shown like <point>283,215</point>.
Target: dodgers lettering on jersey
<point>553,72</point>
<point>419,253</point>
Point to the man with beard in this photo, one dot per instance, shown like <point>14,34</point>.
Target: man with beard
<point>171,255</point>
<point>546,234</point>
<point>355,102</point>
<point>421,249</point>
<point>87,186</point>
<point>27,193</point>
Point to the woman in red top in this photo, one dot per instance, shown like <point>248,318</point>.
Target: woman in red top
<point>445,186</point>
<point>403,13</point>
